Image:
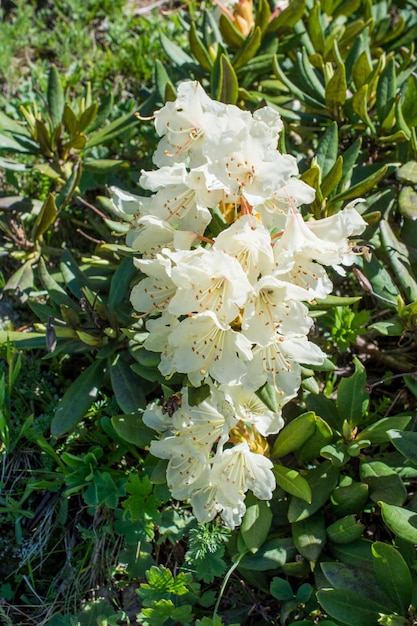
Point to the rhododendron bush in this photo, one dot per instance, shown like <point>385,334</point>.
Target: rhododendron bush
<point>228,265</point>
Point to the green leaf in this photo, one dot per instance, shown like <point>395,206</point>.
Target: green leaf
<point>70,120</point>
<point>379,431</point>
<point>352,399</point>
<point>384,483</point>
<point>175,53</point>
<point>393,575</point>
<point>120,282</point>
<point>357,553</point>
<point>132,429</point>
<point>114,129</point>
<point>386,91</point>
<point>55,96</point>
<point>268,394</point>
<point>322,480</point>
<point>272,554</point>
<point>326,153</point>
<point>231,35</point>
<point>56,293</point>
<point>355,579</point>
<point>23,340</point>
<point>350,498</point>
<point>309,536</point>
<point>286,19</point>
<point>78,399</point>
<point>199,50</point>
<point>87,117</point>
<point>322,435</point>
<point>345,530</point>
<point>401,521</point>
<point>336,89</point>
<point>407,202</point>
<point>255,525</point>
<point>70,186</point>
<point>46,217</point>
<point>409,101</point>
<point>309,79</point>
<point>405,442</point>
<point>294,434</point>
<point>292,482</point>
<point>126,388</point>
<point>224,83</point>
<point>248,50</point>
<point>398,257</point>
<point>281,589</point>
<point>350,608</point>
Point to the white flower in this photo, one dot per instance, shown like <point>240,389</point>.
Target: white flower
<point>248,408</point>
<point>232,474</point>
<point>250,243</point>
<point>274,308</point>
<point>201,345</point>
<point>279,364</point>
<point>152,234</point>
<point>324,241</point>
<point>125,204</point>
<point>182,125</point>
<point>154,292</point>
<point>273,212</point>
<point>209,280</point>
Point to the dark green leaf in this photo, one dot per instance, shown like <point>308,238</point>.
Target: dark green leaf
<point>356,580</point>
<point>345,530</point>
<point>393,575</point>
<point>248,50</point>
<point>350,608</point>
<point>322,480</point>
<point>294,434</point>
<point>386,91</point>
<point>78,399</point>
<point>292,482</point>
<point>309,536</point>
<point>352,399</point>
<point>272,554</point>
<point>199,50</point>
<point>281,589</point>
<point>326,153</point>
<point>378,432</point>
<point>255,525</point>
<point>405,442</point>
<point>126,386</point>
<point>55,96</point>
<point>350,498</point>
<point>402,522</point>
<point>224,83</point>
<point>384,483</point>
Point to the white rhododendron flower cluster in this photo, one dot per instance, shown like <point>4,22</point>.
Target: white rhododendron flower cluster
<point>228,264</point>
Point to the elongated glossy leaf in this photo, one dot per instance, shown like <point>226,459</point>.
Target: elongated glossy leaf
<point>379,431</point>
<point>345,530</point>
<point>224,83</point>
<point>292,482</point>
<point>398,256</point>
<point>393,574</point>
<point>255,525</point>
<point>199,50</point>
<point>360,189</point>
<point>272,554</point>
<point>356,579</point>
<point>294,434</point>
<point>287,18</point>
<point>175,53</point>
<point>352,399</point>
<point>386,91</point>
<point>350,608</point>
<point>402,522</point>
<point>46,217</point>
<point>309,536</point>
<point>55,96</point>
<point>23,341</point>
<point>405,442</point>
<point>133,430</point>
<point>78,399</point>
<point>57,294</point>
<point>326,153</point>
<point>126,387</point>
<point>114,129</point>
<point>336,89</point>
<point>384,483</point>
<point>322,480</point>
<point>350,498</point>
<point>248,50</point>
